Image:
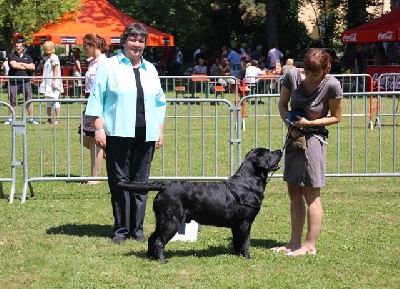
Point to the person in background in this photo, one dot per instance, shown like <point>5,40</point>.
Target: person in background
<point>369,53</point>
<point>214,67</point>
<point>200,53</point>
<point>224,52</point>
<point>169,56</point>
<point>262,62</point>
<point>128,105</point>
<point>51,85</point>
<point>200,67</point>
<point>21,64</point>
<point>246,54</point>
<point>336,67</point>
<point>5,67</point>
<point>76,65</point>
<point>358,60</point>
<point>178,61</point>
<point>253,72</point>
<point>288,65</point>
<point>315,99</point>
<point>257,53</point>
<point>274,55</point>
<point>96,48</point>
<point>380,57</point>
<point>77,72</point>
<point>234,60</point>
<point>224,69</point>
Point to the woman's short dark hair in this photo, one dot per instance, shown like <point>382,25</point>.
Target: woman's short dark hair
<point>317,60</point>
<point>134,29</point>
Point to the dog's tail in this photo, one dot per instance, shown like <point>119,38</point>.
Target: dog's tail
<point>142,187</point>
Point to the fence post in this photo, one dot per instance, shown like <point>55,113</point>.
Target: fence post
<point>18,128</point>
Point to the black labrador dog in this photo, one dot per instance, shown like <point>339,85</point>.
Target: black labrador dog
<point>233,203</point>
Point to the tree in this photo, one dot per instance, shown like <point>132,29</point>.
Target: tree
<point>291,33</point>
<point>28,16</point>
<point>271,22</point>
<point>247,22</point>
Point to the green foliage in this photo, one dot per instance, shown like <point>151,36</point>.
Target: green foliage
<point>28,16</point>
<point>295,34</point>
<point>218,23</point>
<point>211,22</point>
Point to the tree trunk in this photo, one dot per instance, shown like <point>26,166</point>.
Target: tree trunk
<point>356,13</point>
<point>271,22</point>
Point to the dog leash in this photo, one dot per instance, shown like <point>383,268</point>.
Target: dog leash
<point>269,178</point>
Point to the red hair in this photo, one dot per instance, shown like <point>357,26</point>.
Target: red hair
<point>317,60</point>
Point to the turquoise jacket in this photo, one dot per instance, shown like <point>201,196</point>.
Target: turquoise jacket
<point>113,97</point>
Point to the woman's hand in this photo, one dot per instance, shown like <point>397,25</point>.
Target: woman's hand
<point>301,122</point>
<point>160,141</point>
<point>100,138</point>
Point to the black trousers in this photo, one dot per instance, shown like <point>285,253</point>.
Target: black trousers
<point>128,159</point>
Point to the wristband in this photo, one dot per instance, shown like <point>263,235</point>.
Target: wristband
<point>99,130</point>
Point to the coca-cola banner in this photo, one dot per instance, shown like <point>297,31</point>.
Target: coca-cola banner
<point>386,35</point>
<point>390,77</point>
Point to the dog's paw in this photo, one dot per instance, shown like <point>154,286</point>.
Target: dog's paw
<point>164,261</point>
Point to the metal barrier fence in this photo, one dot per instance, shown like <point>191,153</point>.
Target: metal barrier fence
<point>352,84</point>
<point>206,140</point>
<point>203,86</point>
<point>7,154</point>
<point>385,82</point>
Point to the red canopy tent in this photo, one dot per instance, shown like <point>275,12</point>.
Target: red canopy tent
<point>96,16</point>
<point>383,29</point>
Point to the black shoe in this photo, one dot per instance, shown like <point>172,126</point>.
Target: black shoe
<point>140,238</point>
<point>118,240</point>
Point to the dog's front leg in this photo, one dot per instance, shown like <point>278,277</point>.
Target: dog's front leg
<point>151,250</point>
<point>241,239</point>
<point>245,251</point>
<point>159,250</point>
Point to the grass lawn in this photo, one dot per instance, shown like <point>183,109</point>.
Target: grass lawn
<point>61,239</point>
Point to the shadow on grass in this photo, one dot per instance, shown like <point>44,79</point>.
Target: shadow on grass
<point>61,175</point>
<point>264,243</point>
<point>212,251</point>
<point>72,176</point>
<point>89,230</point>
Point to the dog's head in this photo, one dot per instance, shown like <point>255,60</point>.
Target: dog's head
<point>264,160</point>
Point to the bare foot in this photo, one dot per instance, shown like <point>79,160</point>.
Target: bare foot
<point>280,249</point>
<point>302,251</point>
<point>90,183</point>
<point>93,182</point>
<point>287,248</point>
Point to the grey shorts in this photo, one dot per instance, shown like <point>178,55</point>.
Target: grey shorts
<point>24,88</point>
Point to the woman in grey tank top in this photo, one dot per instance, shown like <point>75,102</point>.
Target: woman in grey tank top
<point>315,99</point>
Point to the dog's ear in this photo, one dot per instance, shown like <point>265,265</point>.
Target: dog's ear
<point>261,158</point>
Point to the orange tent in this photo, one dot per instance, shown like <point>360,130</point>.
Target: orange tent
<point>96,16</point>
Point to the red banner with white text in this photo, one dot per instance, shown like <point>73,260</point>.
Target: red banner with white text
<point>386,82</point>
